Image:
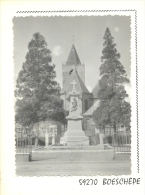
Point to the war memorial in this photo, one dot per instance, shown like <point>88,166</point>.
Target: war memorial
<point>69,128</point>
<point>74,144</point>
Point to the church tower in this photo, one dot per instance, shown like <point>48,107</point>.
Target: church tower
<point>73,62</point>
<point>74,72</point>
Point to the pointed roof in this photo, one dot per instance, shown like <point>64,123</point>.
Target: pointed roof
<point>91,110</point>
<point>95,90</point>
<point>73,58</point>
<point>80,86</point>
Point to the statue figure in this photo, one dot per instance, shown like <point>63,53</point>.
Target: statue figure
<point>74,105</point>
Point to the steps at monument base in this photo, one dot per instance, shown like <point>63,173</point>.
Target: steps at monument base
<point>58,148</point>
<point>89,155</point>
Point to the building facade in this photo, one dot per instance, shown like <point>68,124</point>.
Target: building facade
<point>74,71</point>
<point>73,62</point>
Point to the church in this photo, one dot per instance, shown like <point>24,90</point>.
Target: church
<point>73,74</point>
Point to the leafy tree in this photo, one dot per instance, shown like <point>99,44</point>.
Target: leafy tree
<point>111,92</point>
<point>37,92</point>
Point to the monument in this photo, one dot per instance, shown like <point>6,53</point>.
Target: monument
<point>46,138</point>
<point>74,145</point>
<point>74,136</point>
<point>54,133</point>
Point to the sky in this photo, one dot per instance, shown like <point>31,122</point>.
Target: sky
<point>88,32</point>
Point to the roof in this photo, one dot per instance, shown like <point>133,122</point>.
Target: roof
<point>73,58</point>
<point>91,110</point>
<point>80,86</point>
<point>95,90</point>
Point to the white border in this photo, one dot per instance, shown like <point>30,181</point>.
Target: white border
<point>65,185</point>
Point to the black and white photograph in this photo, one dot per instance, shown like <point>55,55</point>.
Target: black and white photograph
<point>72,95</point>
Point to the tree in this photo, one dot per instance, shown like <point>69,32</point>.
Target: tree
<point>112,94</point>
<point>37,92</point>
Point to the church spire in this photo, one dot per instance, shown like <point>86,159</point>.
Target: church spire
<point>73,58</point>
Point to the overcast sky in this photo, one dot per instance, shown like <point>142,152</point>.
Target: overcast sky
<point>88,34</point>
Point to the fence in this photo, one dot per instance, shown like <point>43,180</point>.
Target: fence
<point>23,139</point>
<point>121,141</point>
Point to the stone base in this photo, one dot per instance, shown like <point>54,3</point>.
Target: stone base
<point>75,140</point>
<point>73,154</point>
<point>74,136</point>
<point>23,157</point>
<point>71,148</point>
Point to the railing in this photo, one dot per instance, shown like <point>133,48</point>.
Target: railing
<point>23,140</point>
<point>121,141</point>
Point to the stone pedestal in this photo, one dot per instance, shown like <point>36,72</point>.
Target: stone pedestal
<point>74,136</point>
<point>46,139</point>
<point>101,140</point>
<point>53,140</point>
<point>54,133</point>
